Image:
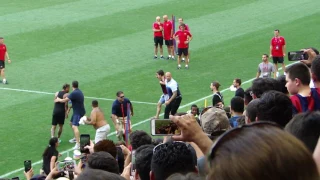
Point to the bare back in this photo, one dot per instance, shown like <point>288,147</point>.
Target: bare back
<point>98,116</point>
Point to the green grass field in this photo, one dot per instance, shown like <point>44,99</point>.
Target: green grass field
<point>108,46</point>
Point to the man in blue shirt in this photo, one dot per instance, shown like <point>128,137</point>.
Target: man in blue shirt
<point>172,105</point>
<point>237,108</point>
<point>77,100</point>
<point>119,113</point>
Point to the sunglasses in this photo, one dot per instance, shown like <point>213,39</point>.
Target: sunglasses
<point>165,145</point>
<point>121,96</point>
<point>232,133</point>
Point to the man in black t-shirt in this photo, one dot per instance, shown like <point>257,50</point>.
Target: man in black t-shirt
<point>59,111</point>
<point>237,85</point>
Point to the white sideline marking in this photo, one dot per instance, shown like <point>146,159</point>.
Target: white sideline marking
<point>134,125</point>
<point>87,97</point>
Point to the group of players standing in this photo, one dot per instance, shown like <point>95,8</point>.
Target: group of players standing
<point>165,31</point>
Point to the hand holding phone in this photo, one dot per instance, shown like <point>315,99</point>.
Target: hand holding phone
<point>164,127</point>
<point>27,165</point>
<point>84,141</point>
<point>67,165</point>
<point>296,55</point>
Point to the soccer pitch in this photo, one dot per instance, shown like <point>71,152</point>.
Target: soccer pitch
<point>108,46</point>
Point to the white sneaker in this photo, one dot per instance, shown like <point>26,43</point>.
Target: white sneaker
<point>77,146</point>
<point>277,74</point>
<point>59,140</point>
<point>284,73</point>
<point>73,140</point>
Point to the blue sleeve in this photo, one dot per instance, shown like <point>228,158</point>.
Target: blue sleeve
<point>114,111</point>
<point>71,96</point>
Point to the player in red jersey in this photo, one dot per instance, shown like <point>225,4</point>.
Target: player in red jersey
<point>158,37</point>
<point>278,50</point>
<point>168,33</point>
<point>3,55</point>
<point>186,29</point>
<point>183,39</point>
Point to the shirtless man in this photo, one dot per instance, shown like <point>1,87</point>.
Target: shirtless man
<point>98,121</point>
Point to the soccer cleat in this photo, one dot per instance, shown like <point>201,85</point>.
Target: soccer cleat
<point>161,57</point>
<point>277,74</point>
<point>187,67</point>
<point>77,146</point>
<point>73,140</point>
<point>172,58</point>
<point>168,58</point>
<point>59,140</point>
<point>155,57</point>
<point>179,67</point>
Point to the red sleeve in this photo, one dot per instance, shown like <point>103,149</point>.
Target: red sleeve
<point>154,26</point>
<point>284,41</point>
<point>175,34</point>
<point>189,34</point>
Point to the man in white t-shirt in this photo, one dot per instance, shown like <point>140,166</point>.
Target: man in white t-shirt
<point>172,105</point>
<point>265,68</point>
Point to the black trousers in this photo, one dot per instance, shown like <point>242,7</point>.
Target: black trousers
<point>172,107</point>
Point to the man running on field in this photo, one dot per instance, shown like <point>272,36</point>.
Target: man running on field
<point>60,111</point>
<point>98,121</point>
<point>164,97</point>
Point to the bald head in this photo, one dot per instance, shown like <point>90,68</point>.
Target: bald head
<point>158,18</point>
<point>168,76</point>
<point>165,18</point>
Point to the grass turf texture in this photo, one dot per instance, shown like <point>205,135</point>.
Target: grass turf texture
<point>108,46</point>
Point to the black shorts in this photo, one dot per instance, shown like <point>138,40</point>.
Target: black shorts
<point>183,51</point>
<point>277,60</point>
<point>169,42</point>
<point>58,119</point>
<point>158,40</point>
<point>2,64</point>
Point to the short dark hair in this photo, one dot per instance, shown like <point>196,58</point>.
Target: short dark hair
<point>306,127</point>
<point>160,72</point>
<point>237,104</point>
<point>238,80</point>
<point>65,86</point>
<point>277,30</point>
<point>182,25</point>
<point>118,93</point>
<point>1,38</point>
<point>262,85</point>
<point>106,145</point>
<point>104,161</point>
<point>247,95</point>
<point>299,71</point>
<point>315,67</point>
<point>75,84</point>
<point>170,158</point>
<point>143,161</point>
<point>282,82</point>
<point>276,107</point>
<point>95,103</point>
<point>139,138</point>
<point>251,111</point>
<point>265,55</point>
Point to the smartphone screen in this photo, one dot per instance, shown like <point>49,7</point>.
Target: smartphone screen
<point>66,165</point>
<point>295,55</point>
<point>164,127</point>
<point>84,141</point>
<point>133,162</point>
<point>27,165</point>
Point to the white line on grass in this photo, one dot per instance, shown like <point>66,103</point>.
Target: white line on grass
<point>134,125</point>
<point>87,97</point>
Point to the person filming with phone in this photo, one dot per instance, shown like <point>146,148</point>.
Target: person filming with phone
<point>98,121</point>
